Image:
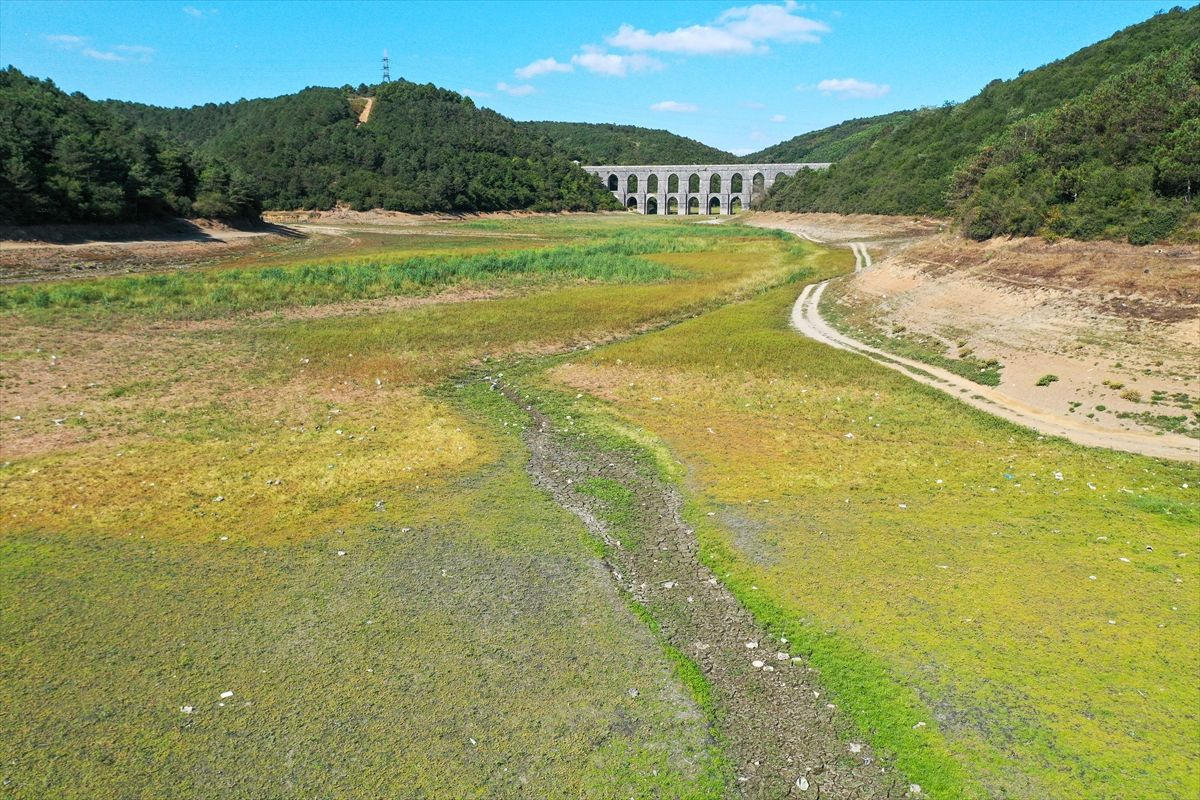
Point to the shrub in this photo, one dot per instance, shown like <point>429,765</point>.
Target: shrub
<point>1046,380</point>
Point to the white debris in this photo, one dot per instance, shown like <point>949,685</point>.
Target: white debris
<point>341,552</point>
<point>855,747</point>
<point>757,664</point>
<point>919,725</point>
<point>802,783</point>
<point>226,695</point>
<point>1091,577</point>
<point>668,584</point>
<point>186,709</point>
<point>1126,560</point>
<point>1058,476</point>
<point>914,788</point>
<point>848,436</point>
<point>751,645</point>
<point>904,505</point>
<point>219,498</point>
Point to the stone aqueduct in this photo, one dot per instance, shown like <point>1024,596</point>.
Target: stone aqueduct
<point>692,188</point>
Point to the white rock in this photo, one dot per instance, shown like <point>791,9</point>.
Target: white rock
<point>751,645</point>
<point>186,709</point>
<point>757,664</point>
<point>343,552</point>
<point>914,788</point>
<point>781,656</point>
<point>802,783</point>
<point>855,747</point>
<point>226,695</point>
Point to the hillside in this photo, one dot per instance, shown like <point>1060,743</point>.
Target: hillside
<point>911,169</point>
<point>1120,161</point>
<point>69,159</point>
<point>424,149</point>
<point>833,143</point>
<point>590,143</point>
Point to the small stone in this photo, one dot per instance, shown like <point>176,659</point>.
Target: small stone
<point>914,788</point>
<point>855,747</point>
<point>751,645</point>
<point>781,656</point>
<point>225,695</point>
<point>634,693</point>
<point>669,585</point>
<point>186,709</point>
<point>802,783</point>
<point>757,664</point>
<point>219,498</point>
<point>341,552</point>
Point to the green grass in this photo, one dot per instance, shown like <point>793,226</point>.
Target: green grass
<point>467,606</point>
<point>933,565</point>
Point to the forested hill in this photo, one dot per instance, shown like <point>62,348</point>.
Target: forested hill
<point>590,143</point>
<point>833,143</point>
<point>65,158</point>
<point>911,169</point>
<point>423,149</point>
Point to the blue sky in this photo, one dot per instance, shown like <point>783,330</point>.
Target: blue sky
<point>735,75</point>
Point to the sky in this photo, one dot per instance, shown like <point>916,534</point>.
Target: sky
<point>738,77</point>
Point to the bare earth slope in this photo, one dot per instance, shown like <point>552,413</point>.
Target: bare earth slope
<point>1116,326</point>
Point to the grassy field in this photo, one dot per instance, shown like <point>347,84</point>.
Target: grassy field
<point>308,513</point>
<point>325,512</point>
<point>1012,616</point>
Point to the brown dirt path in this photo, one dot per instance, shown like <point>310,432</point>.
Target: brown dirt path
<point>806,318</point>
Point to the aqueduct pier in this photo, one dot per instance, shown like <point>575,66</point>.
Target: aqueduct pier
<point>693,188</point>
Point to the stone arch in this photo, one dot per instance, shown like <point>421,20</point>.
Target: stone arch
<point>735,205</point>
<point>735,182</point>
<point>694,183</point>
<point>673,202</point>
<point>613,183</point>
<point>673,183</point>
<point>631,183</point>
<point>693,206</point>
<point>631,204</point>
<point>714,183</point>
<point>652,205</point>
<point>714,206</point>
<point>759,181</point>
<point>652,184</point>
<point>779,175</point>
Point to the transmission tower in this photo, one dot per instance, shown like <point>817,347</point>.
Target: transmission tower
<point>387,73</point>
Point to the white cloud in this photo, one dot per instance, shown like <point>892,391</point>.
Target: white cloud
<point>676,106</point>
<point>66,40</point>
<point>740,30</point>
<point>542,66</point>
<point>199,13</point>
<point>520,90</point>
<point>852,87</point>
<point>593,59</point>
<point>778,118</point>
<point>104,55</point>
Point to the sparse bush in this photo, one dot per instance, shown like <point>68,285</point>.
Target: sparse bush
<point>1046,380</point>
<point>1132,395</point>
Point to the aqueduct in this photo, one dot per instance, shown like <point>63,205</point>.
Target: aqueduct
<point>692,188</point>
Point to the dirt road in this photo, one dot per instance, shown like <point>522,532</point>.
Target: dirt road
<point>806,318</point>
